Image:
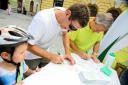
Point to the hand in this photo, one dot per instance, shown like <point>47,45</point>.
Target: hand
<point>56,58</point>
<point>70,58</point>
<point>95,59</point>
<point>84,55</point>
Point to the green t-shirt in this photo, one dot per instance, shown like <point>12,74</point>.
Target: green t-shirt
<point>85,38</point>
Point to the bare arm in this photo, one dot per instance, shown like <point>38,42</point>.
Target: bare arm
<point>35,49</point>
<point>95,50</point>
<point>78,51</point>
<point>66,43</point>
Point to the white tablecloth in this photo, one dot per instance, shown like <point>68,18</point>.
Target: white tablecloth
<point>65,74</point>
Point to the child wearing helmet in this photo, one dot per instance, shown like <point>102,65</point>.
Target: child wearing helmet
<point>13,45</point>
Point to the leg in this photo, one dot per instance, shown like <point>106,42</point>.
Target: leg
<point>43,62</point>
<point>33,63</point>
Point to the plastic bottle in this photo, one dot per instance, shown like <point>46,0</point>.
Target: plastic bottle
<point>110,59</point>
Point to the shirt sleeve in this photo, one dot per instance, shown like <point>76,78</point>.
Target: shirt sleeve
<point>72,35</point>
<point>36,29</point>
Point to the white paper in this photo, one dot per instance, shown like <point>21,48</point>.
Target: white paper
<point>66,74</point>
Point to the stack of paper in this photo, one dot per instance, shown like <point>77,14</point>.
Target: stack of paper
<point>96,78</point>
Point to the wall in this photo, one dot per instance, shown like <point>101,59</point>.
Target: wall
<point>102,4</point>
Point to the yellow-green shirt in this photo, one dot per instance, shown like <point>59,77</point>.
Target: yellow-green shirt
<point>85,38</point>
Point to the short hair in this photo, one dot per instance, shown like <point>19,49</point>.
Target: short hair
<point>79,12</point>
<point>115,12</point>
<point>105,19</point>
<point>93,9</point>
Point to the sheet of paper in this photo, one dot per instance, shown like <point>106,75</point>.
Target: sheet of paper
<point>54,75</point>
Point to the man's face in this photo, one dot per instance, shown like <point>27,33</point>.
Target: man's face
<point>66,23</point>
<point>64,19</point>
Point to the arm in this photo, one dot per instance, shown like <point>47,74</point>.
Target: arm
<point>95,50</point>
<point>78,51</point>
<point>66,43</point>
<point>43,53</point>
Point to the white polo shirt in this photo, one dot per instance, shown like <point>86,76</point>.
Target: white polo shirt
<point>45,29</point>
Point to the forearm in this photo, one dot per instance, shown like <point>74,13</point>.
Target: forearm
<point>96,49</point>
<point>94,54</point>
<point>35,49</point>
<point>66,43</point>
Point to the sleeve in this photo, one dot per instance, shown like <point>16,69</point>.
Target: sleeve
<point>36,29</point>
<point>72,35</point>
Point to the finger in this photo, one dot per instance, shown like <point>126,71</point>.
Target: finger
<point>96,60</point>
<point>60,60</point>
<point>86,57</point>
<point>70,59</point>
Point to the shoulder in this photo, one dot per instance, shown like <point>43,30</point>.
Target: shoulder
<point>60,8</point>
<point>44,14</point>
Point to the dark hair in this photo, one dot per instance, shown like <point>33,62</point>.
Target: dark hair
<point>80,13</point>
<point>9,50</point>
<point>93,9</point>
<point>115,12</point>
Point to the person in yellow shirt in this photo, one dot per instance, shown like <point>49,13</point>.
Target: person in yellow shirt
<point>83,39</point>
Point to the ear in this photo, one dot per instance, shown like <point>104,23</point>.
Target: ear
<point>4,55</point>
<point>68,13</point>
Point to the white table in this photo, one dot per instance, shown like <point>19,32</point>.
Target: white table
<point>65,74</point>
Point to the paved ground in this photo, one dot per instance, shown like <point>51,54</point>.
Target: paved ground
<point>14,19</point>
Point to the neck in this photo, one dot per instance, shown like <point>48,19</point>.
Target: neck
<point>57,15</point>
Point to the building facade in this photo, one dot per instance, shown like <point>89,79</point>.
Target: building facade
<point>103,5</point>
